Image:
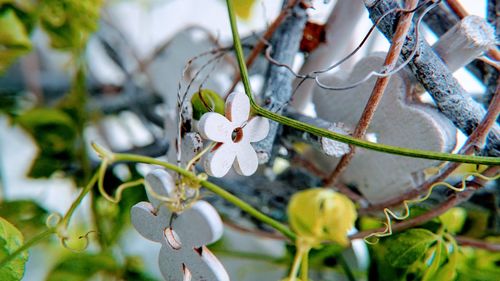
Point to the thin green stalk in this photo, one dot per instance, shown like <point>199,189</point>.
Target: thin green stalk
<point>416,153</point>
<point>304,269</point>
<point>102,237</point>
<point>210,186</point>
<point>51,230</point>
<point>297,260</point>
<point>346,268</point>
<point>35,240</point>
<point>76,203</point>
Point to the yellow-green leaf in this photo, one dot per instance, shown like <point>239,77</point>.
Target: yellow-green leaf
<point>406,248</point>
<point>27,215</point>
<point>69,23</point>
<point>11,239</point>
<point>14,39</point>
<point>321,214</point>
<point>83,266</point>
<point>55,134</point>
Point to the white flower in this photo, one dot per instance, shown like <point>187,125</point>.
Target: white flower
<point>234,133</point>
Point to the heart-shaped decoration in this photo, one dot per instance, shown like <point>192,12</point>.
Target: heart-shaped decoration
<point>183,236</point>
<point>396,122</point>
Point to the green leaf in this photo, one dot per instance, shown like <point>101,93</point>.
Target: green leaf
<point>436,259</point>
<point>477,264</point>
<point>14,39</point>
<point>135,270</point>
<point>82,266</point>
<point>476,223</point>
<point>448,272</point>
<point>206,101</point>
<point>406,248</point>
<point>69,23</point>
<point>26,215</point>
<point>10,240</point>
<point>55,134</point>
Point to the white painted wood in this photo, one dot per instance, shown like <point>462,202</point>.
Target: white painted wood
<point>467,40</point>
<point>377,175</point>
<point>234,134</point>
<point>339,33</point>
<point>183,253</point>
<point>191,145</point>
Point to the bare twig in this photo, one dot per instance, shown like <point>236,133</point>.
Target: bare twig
<point>442,19</point>
<point>431,72</point>
<point>451,202</point>
<point>457,8</point>
<point>278,87</point>
<point>464,42</point>
<point>461,12</point>
<point>391,59</point>
<point>475,243</point>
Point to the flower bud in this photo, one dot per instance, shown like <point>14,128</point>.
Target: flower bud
<point>205,101</point>
<point>321,214</point>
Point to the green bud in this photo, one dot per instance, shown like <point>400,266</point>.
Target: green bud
<point>206,101</point>
<point>321,214</point>
<point>454,219</point>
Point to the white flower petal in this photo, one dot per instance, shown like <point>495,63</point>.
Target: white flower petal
<point>246,159</point>
<point>218,162</point>
<point>215,127</point>
<point>256,129</point>
<point>237,108</point>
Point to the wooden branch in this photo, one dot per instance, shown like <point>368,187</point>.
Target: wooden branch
<point>492,15</point>
<point>471,242</point>
<point>326,145</point>
<point>432,73</point>
<point>339,34</point>
<point>473,142</point>
<point>451,202</point>
<point>404,23</point>
<point>457,8</point>
<point>278,87</point>
<point>464,42</point>
<point>441,19</point>
<point>461,12</point>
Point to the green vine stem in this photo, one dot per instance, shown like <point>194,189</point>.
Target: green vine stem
<point>110,157</point>
<point>297,260</point>
<point>345,266</point>
<point>33,241</point>
<point>416,153</point>
<point>304,268</point>
<point>60,226</point>
<point>65,221</point>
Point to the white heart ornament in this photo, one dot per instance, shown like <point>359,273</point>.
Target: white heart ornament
<point>397,122</point>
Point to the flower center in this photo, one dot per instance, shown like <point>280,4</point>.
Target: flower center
<point>237,134</point>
